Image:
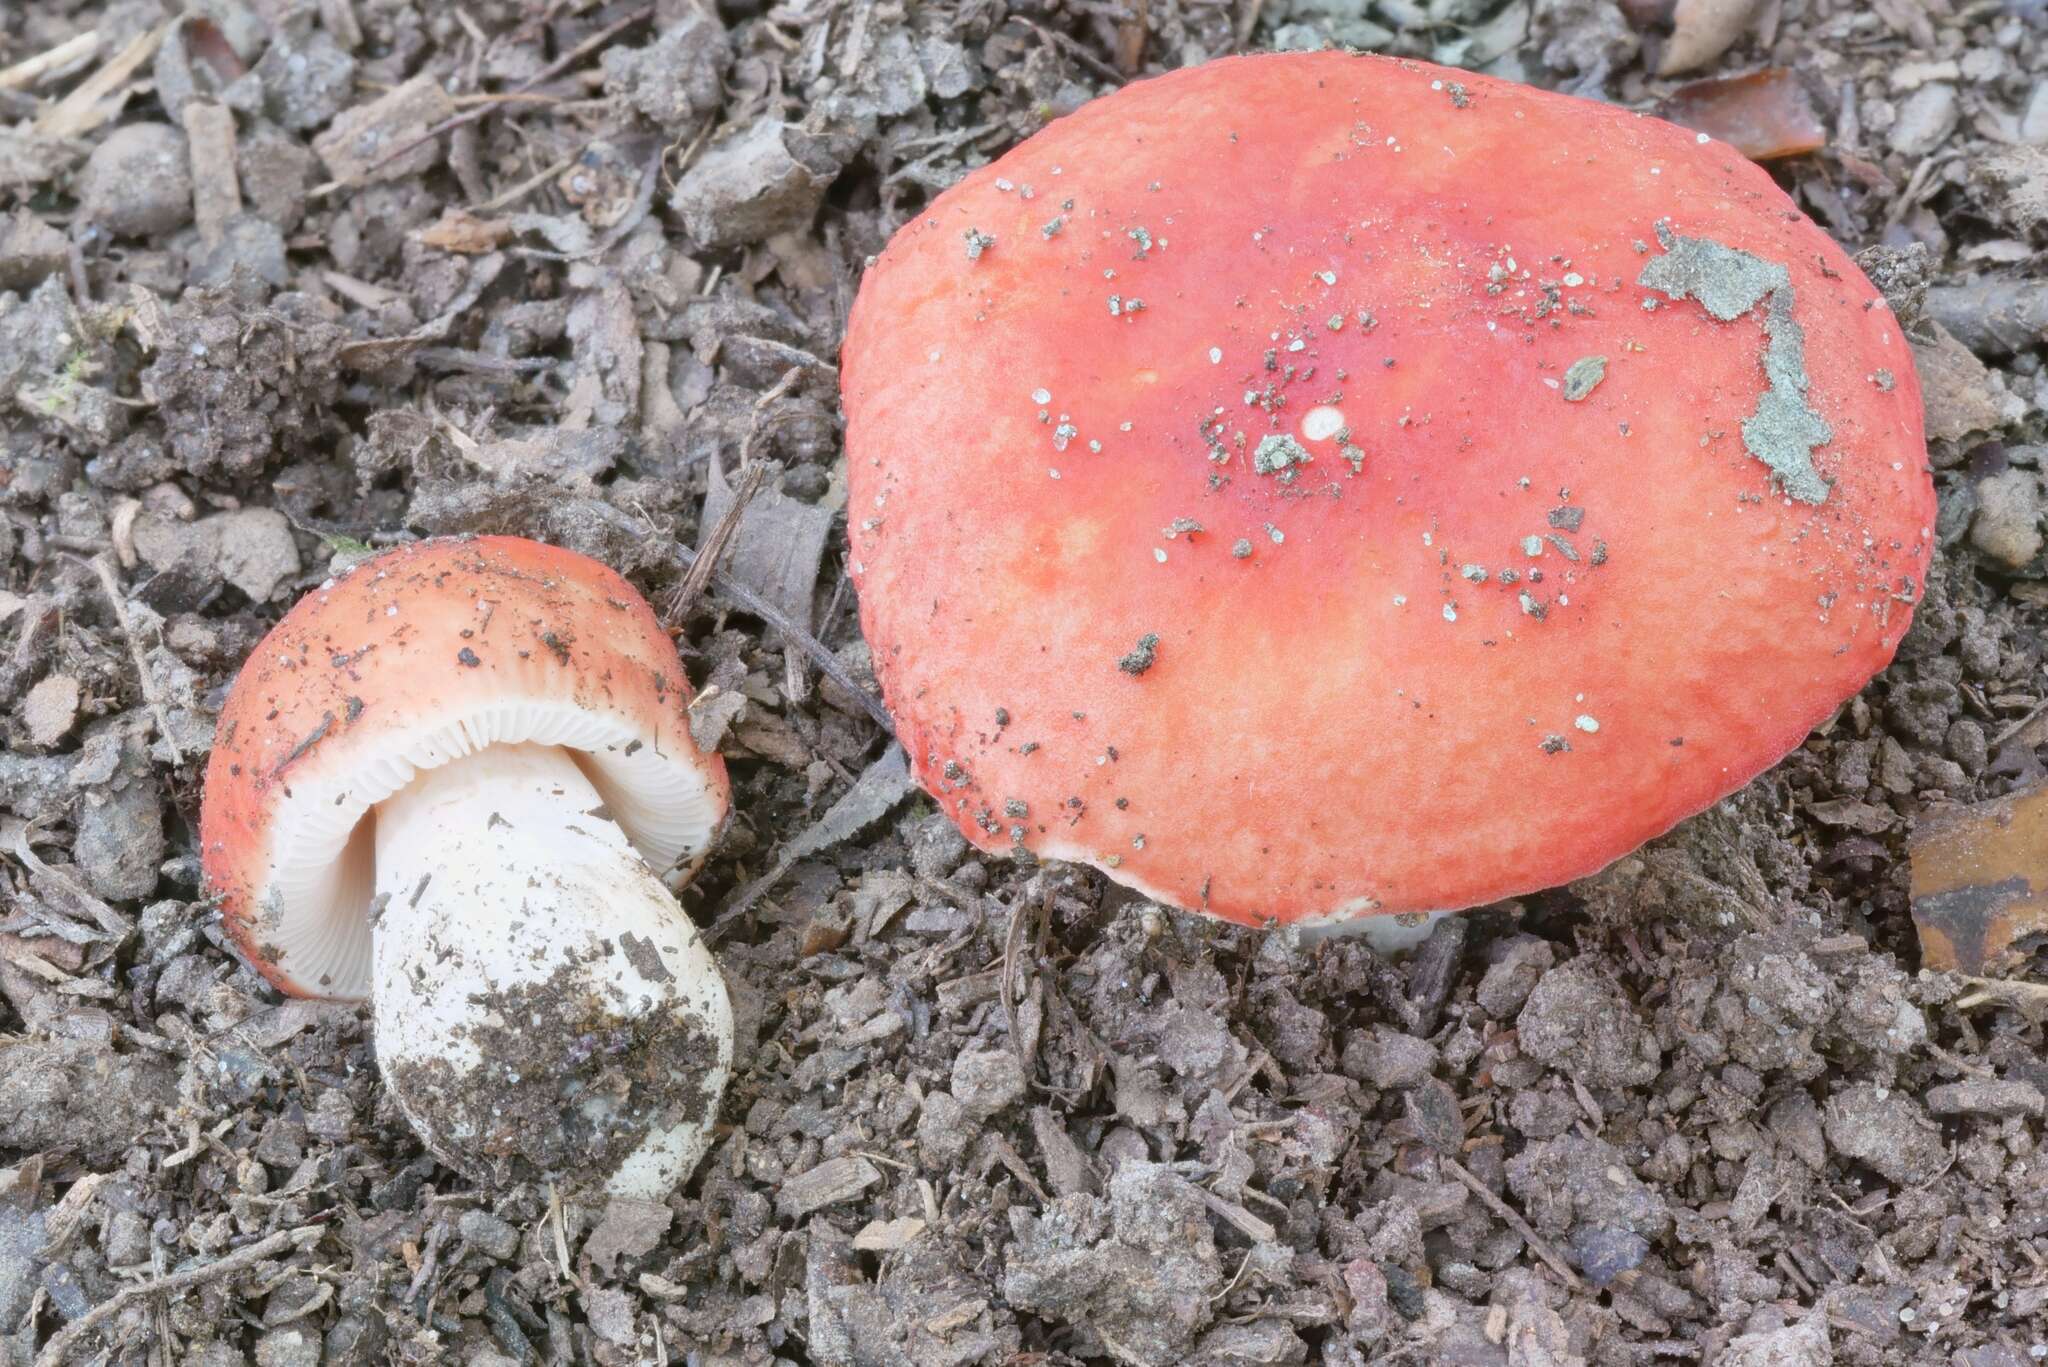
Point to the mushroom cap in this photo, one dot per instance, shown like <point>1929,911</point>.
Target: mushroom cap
<point>418,656</point>
<point>1131,603</point>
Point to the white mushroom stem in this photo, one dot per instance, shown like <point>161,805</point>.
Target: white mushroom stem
<point>542,1004</point>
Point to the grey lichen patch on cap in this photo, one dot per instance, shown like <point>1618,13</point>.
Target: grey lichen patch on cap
<point>1784,429</point>
<point>1583,376</point>
<point>1277,452</point>
<point>1142,655</point>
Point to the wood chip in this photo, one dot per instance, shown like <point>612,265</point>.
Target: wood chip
<point>1435,969</point>
<point>355,146</point>
<point>832,1181</point>
<point>51,709</point>
<point>886,1236</point>
<point>1066,1167</point>
<point>216,193</point>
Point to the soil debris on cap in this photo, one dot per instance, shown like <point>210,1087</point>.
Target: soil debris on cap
<point>1583,376</point>
<point>1277,454</point>
<point>1784,429</point>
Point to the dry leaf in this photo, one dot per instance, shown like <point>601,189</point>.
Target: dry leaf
<point>1763,115</point>
<point>1980,879</point>
<point>1702,30</point>
<point>459,230</point>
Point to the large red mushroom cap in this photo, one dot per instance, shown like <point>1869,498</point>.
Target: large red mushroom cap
<point>1314,485</point>
<point>426,653</point>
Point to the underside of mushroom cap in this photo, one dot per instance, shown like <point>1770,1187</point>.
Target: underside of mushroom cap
<point>423,655</point>
<point>1315,485</point>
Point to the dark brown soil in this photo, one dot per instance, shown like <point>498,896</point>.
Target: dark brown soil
<point>571,270</point>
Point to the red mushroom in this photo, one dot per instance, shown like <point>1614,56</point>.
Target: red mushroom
<point>450,780</point>
<point>1310,486</point>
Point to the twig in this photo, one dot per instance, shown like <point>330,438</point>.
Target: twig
<point>480,97</point>
<point>2033,715</point>
<point>79,111</point>
<point>1006,985</point>
<point>1248,21</point>
<point>1515,1222</point>
<point>545,74</point>
<point>112,588</point>
<point>481,362</point>
<point>28,72</point>
<point>705,563</point>
<point>643,200</point>
<point>1061,42</point>
<point>241,1259</point>
<point>524,187</point>
<point>751,473</point>
<point>828,663</point>
<point>81,285</point>
<point>2027,997</point>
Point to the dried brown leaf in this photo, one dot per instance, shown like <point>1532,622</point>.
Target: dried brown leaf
<point>1980,879</point>
<point>1763,114</point>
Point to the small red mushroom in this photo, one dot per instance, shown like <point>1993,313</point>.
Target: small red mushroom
<point>450,780</point>
<point>1311,486</point>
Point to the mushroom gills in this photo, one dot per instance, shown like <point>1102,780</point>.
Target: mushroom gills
<point>542,1005</point>
<point>1384,934</point>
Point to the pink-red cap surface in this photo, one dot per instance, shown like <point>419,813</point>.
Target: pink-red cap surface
<point>1316,485</point>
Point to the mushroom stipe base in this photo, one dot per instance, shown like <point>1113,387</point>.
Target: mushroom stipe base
<point>542,1003</point>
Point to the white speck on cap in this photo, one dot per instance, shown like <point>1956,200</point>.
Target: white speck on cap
<point>1585,723</point>
<point>1321,423</point>
<point>1215,355</point>
<point>1041,396</point>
